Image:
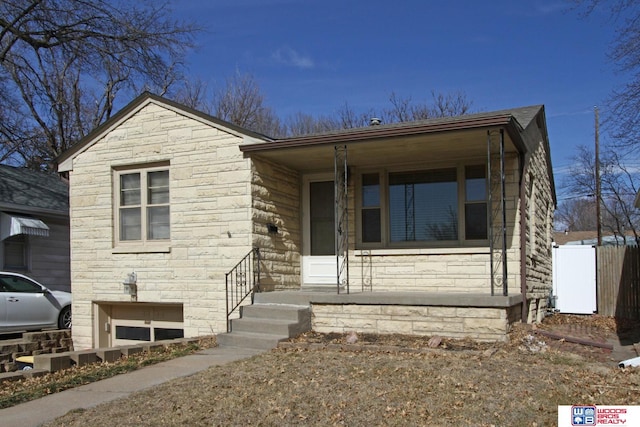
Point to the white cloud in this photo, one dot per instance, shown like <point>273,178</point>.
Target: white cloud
<point>290,57</point>
<point>550,8</point>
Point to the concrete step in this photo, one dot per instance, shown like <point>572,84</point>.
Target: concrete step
<point>263,326</point>
<point>284,328</point>
<point>250,340</point>
<point>288,297</point>
<point>292,313</point>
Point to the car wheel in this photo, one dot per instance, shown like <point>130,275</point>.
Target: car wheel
<point>64,320</point>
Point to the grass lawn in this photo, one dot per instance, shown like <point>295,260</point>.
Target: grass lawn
<point>398,381</point>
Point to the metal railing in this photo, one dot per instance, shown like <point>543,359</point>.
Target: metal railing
<point>243,280</point>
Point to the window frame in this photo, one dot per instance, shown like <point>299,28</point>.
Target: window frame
<point>386,243</point>
<point>144,244</point>
<point>21,240</point>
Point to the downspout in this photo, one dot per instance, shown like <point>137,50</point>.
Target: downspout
<point>524,160</point>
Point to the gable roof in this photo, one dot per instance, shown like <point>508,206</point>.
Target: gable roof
<point>28,191</point>
<point>65,160</point>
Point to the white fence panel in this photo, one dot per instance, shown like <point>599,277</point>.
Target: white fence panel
<point>574,279</point>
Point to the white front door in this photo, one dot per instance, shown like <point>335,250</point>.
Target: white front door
<point>319,266</point>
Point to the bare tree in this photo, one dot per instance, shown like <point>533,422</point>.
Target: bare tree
<point>441,105</point>
<point>619,188</point>
<point>305,124</point>
<point>576,214</point>
<point>242,103</point>
<point>402,109</point>
<point>63,63</point>
<point>623,117</point>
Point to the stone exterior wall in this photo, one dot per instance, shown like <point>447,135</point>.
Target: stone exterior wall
<point>211,220</point>
<point>539,233</point>
<point>484,324</point>
<point>276,200</point>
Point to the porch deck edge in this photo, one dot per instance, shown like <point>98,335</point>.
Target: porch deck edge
<point>419,299</point>
<point>407,298</point>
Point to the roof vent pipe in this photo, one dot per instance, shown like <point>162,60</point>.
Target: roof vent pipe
<point>374,121</point>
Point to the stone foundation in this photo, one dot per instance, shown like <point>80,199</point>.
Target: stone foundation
<point>412,316</point>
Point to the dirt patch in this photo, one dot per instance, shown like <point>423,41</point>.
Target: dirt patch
<point>327,379</point>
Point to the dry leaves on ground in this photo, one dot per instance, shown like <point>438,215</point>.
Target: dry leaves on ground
<point>461,383</point>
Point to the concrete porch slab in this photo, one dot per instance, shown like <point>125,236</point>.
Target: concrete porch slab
<point>304,297</point>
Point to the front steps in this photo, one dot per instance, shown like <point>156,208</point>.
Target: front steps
<point>263,325</point>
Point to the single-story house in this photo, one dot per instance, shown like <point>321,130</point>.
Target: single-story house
<point>34,226</point>
<point>446,221</point>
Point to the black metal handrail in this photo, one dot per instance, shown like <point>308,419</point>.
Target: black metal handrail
<point>243,280</point>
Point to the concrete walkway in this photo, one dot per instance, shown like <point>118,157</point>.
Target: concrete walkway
<point>37,412</point>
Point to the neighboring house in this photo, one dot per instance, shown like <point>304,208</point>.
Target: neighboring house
<point>591,238</point>
<point>34,226</point>
<point>431,215</point>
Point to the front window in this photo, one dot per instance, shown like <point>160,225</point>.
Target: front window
<point>371,208</point>
<point>475,207</point>
<point>432,207</point>
<point>143,205</point>
<point>423,205</point>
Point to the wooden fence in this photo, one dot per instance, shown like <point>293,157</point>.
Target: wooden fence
<point>618,281</point>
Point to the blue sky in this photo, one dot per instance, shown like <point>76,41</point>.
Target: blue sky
<point>313,56</point>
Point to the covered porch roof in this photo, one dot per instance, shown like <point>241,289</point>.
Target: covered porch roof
<point>466,136</point>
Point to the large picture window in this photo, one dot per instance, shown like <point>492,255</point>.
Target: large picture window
<point>143,205</point>
<point>409,208</point>
<point>423,206</point>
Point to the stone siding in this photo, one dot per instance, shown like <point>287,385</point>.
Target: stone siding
<point>484,324</point>
<point>211,220</point>
<point>276,200</point>
<point>539,233</point>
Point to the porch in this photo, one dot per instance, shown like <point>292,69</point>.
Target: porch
<point>478,316</point>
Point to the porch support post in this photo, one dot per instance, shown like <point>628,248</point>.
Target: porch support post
<point>341,218</point>
<point>503,197</point>
<point>497,213</point>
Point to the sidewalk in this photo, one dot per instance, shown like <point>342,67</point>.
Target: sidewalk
<point>37,412</point>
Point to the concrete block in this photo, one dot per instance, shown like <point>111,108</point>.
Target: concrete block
<point>9,367</point>
<point>34,336</point>
<point>29,346</point>
<point>52,362</point>
<point>9,348</point>
<point>108,354</point>
<point>10,376</point>
<point>84,357</point>
<point>34,373</point>
<point>152,346</point>
<point>131,350</point>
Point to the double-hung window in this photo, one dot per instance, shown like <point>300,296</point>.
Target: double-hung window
<point>142,213</point>
<point>423,207</point>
